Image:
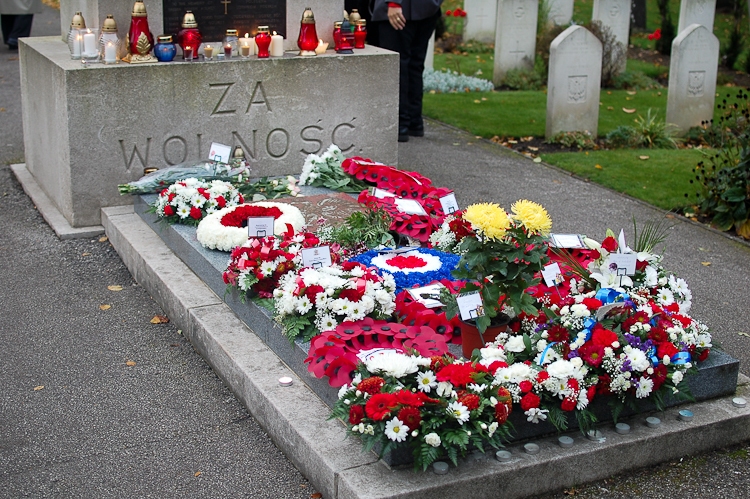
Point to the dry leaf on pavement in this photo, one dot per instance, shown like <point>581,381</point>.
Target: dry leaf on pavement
<point>37,388</point>
<point>103,239</point>
<point>705,264</point>
<point>114,287</point>
<point>130,363</point>
<point>105,307</point>
<point>197,473</point>
<point>160,319</point>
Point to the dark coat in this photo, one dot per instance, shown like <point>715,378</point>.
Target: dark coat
<point>414,10</point>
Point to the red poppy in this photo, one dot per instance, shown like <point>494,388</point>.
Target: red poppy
<point>379,406</point>
<point>656,35</point>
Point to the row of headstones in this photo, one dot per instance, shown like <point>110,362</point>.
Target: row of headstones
<point>516,25</point>
<point>574,80</point>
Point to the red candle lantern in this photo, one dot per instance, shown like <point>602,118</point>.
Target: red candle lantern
<point>336,35</point>
<point>308,37</point>
<point>346,39</point>
<point>140,39</point>
<point>189,36</point>
<point>263,41</point>
<point>360,34</point>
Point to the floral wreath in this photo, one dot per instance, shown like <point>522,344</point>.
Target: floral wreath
<point>190,200</point>
<point>413,268</point>
<point>414,313</point>
<point>223,230</point>
<point>334,354</point>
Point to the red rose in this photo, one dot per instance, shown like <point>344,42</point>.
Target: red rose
<point>356,414</point>
<point>704,355</point>
<point>568,404</point>
<point>379,406</point>
<point>448,13</point>
<point>609,244</point>
<point>168,211</point>
<point>530,401</point>
<point>463,13</point>
<point>640,265</point>
<point>591,392</point>
<point>195,213</point>
<point>525,386</point>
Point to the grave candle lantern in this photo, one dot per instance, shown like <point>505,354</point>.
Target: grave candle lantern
<point>140,39</point>
<point>263,42</point>
<point>164,50</point>
<point>189,35</point>
<point>74,43</point>
<point>346,39</point>
<point>336,35</point>
<point>109,38</point>
<point>247,45</point>
<point>360,34</point>
<point>231,43</point>
<point>90,45</point>
<point>308,37</point>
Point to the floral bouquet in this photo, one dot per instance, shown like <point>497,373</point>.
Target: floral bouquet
<point>315,300</point>
<point>501,258</point>
<point>326,171</point>
<point>258,265</point>
<point>436,406</point>
<point>450,234</point>
<point>188,201</point>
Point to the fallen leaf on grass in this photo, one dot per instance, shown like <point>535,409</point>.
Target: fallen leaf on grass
<point>103,239</point>
<point>114,287</point>
<point>37,388</point>
<point>532,148</point>
<point>631,92</point>
<point>629,111</point>
<point>105,307</point>
<point>705,264</point>
<point>642,157</point>
<point>160,319</point>
<point>477,101</point>
<point>598,166</point>
<point>537,160</point>
<point>610,108</point>
<point>130,363</point>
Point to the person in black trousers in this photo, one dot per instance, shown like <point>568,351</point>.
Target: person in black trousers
<point>16,17</point>
<point>406,26</point>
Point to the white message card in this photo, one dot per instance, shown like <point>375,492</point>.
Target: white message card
<point>625,262</point>
<point>429,296</point>
<point>410,206</point>
<point>552,274</point>
<point>259,226</point>
<point>317,257</point>
<point>382,194</point>
<point>470,305</point>
<point>572,241</point>
<point>449,203</point>
<point>220,152</point>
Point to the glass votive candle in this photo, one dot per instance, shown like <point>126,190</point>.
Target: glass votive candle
<point>208,52</point>
<point>89,39</point>
<point>188,53</point>
<point>227,51</point>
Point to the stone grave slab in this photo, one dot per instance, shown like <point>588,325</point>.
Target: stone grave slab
<point>696,12</point>
<point>560,11</point>
<point>481,20</point>
<point>616,15</point>
<point>515,36</point>
<point>692,78</point>
<point>573,83</point>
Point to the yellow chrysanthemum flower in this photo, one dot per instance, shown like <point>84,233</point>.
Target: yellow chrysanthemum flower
<point>489,218</point>
<point>532,215</point>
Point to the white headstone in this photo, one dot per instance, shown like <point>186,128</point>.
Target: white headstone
<point>560,11</point>
<point>573,84</point>
<point>429,60</point>
<point>616,15</point>
<point>480,20</point>
<point>692,77</point>
<point>696,12</point>
<point>515,36</point>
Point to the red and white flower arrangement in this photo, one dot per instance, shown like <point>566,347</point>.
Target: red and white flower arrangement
<point>438,407</point>
<point>310,301</point>
<point>189,201</point>
<point>226,229</point>
<point>257,265</point>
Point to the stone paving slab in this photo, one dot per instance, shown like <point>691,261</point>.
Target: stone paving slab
<point>295,417</point>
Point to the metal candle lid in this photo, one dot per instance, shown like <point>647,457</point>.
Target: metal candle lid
<point>337,24</point>
<point>189,20</point>
<point>739,402</point>
<point>653,422</point>
<point>233,32</point>
<point>565,442</point>
<point>261,29</point>
<point>110,25</point>
<point>531,448</point>
<point>307,16</point>
<point>139,9</point>
<point>286,381</point>
<point>622,428</point>
<point>503,456</point>
<point>361,22</point>
<point>165,38</point>
<point>238,153</point>
<point>78,22</point>
<point>354,16</point>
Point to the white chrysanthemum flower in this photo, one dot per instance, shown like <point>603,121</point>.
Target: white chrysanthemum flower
<point>396,430</point>
<point>432,439</point>
<point>677,377</point>
<point>326,323</point>
<point>515,344</point>
<point>638,359</point>
<point>444,388</point>
<point>393,363</point>
<point>562,369</point>
<point>534,415</point>
<point>645,387</point>
<point>426,381</point>
<point>665,296</point>
<point>303,305</point>
<point>183,211</point>
<point>458,411</point>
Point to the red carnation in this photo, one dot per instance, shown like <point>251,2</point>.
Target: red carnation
<point>371,385</point>
<point>164,192</point>
<point>356,413</point>
<point>195,213</point>
<point>410,416</point>
<point>470,400</point>
<point>591,392</point>
<point>610,244</point>
<point>542,377</point>
<point>501,413</point>
<point>591,354</point>
<point>568,404</point>
<point>380,405</point>
<point>351,294</point>
<point>530,401</point>
<point>558,334</point>
<point>312,291</point>
<point>457,374</point>
<point>525,386</point>
<point>573,384</point>
<point>602,387</point>
<point>603,337</point>
<point>405,397</point>
<point>347,266</point>
<point>221,201</point>
<point>666,348</point>
<point>168,211</point>
<point>503,395</point>
<point>171,196</point>
<point>592,303</point>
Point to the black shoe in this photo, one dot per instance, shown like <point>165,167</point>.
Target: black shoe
<point>403,134</point>
<point>417,131</point>
<point>13,48</point>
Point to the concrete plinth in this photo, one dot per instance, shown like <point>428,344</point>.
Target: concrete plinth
<point>87,129</point>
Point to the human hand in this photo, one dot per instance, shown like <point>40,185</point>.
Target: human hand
<point>396,18</point>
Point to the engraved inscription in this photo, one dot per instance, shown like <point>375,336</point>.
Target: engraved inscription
<point>276,137</point>
<point>180,143</point>
<point>218,105</point>
<point>305,136</point>
<point>519,11</point>
<point>258,97</point>
<point>577,89</point>
<point>696,83</point>
<point>250,152</point>
<point>339,137</point>
<point>134,153</point>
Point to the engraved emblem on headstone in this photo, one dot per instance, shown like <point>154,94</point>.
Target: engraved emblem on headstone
<point>614,11</point>
<point>577,88</point>
<point>696,83</point>
<point>519,11</point>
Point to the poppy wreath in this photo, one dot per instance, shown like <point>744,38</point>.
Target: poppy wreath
<point>334,354</point>
<point>414,313</point>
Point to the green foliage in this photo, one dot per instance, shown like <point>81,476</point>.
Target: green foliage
<point>732,50</point>
<point>362,229</point>
<point>652,234</point>
<point>524,79</point>
<point>586,420</point>
<point>558,418</point>
<point>668,30</point>
<point>649,132</point>
<point>614,53</point>
<point>724,174</point>
<point>581,140</point>
<point>634,80</point>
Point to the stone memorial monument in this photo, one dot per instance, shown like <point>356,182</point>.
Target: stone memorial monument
<point>616,15</point>
<point>481,20</point>
<point>692,77</point>
<point>573,84</point>
<point>88,128</point>
<point>697,12</point>
<point>515,36</point>
<point>560,11</point>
